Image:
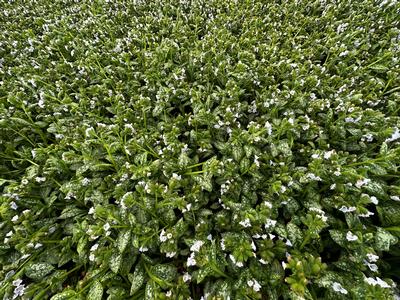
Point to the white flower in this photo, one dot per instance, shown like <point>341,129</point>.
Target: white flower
<point>270,223</point>
<point>289,243</point>
<point>186,277</point>
<point>377,281</point>
<point>268,204</point>
<point>14,219</point>
<point>312,176</point>
<point>253,246</point>
<point>88,131</point>
<point>395,198</point>
<point>269,128</point>
<point>17,282</point>
<point>395,136</point>
<point>337,287</point>
<point>347,209</point>
<point>163,236</point>
<point>328,154</point>
<point>245,223</point>
<point>372,257</point>
<point>91,211</point>
<point>170,254</point>
<point>176,176</point>
<point>40,179</point>
<point>366,215</point>
<point>372,267</point>
<point>222,243</point>
<point>374,200</point>
<point>196,246</point>
<point>106,226</point>
<point>362,182</point>
<point>284,265</point>
<point>209,237</point>
<point>381,283</point>
<point>169,293</point>
<point>351,237</point>
<point>143,249</point>
<point>333,186</point>
<point>13,205</point>
<point>254,284</point>
<point>94,247</point>
<point>191,261</point>
<point>188,207</point>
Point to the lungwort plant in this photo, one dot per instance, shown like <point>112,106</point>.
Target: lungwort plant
<point>199,149</point>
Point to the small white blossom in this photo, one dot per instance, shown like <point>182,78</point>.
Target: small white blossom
<point>347,209</point>
<point>176,176</point>
<point>245,223</point>
<point>328,154</point>
<point>13,205</point>
<point>191,261</point>
<point>168,294</point>
<point>374,200</point>
<point>94,247</point>
<point>222,243</point>
<point>362,182</point>
<point>196,246</point>
<point>372,281</point>
<point>372,257</point>
<point>351,237</point>
<point>395,136</point>
<point>91,211</point>
<point>170,254</point>
<point>366,215</point>
<point>395,198</point>
<point>14,219</point>
<point>106,226</point>
<point>337,287</point>
<point>143,249</point>
<point>270,223</point>
<point>186,277</point>
<point>17,282</point>
<point>372,267</point>
<point>209,237</point>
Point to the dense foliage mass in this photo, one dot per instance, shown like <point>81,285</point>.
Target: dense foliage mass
<point>199,149</point>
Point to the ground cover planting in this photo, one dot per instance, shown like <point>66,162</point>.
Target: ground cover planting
<point>199,149</point>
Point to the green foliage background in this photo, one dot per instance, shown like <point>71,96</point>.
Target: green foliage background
<point>205,149</point>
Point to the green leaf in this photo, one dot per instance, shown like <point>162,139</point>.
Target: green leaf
<point>64,295</point>
<point>384,239</point>
<point>202,273</point>
<point>70,212</point>
<point>123,240</point>
<point>166,272</point>
<point>37,271</point>
<point>137,279</point>
<point>96,291</point>
<point>115,262</point>
<point>338,237</point>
